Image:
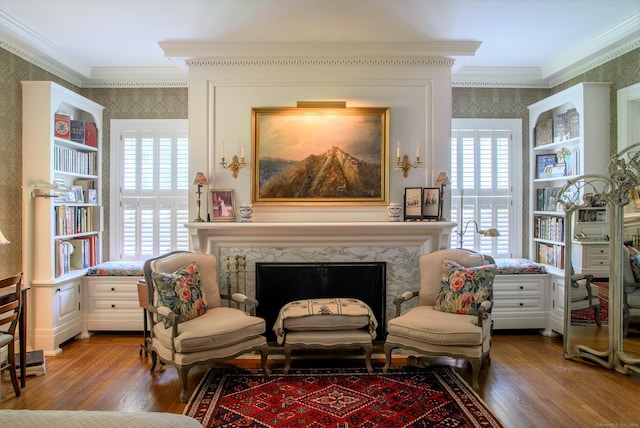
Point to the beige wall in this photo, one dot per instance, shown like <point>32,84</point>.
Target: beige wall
<point>172,103</point>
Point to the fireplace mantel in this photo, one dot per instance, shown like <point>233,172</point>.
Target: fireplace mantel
<point>207,237</point>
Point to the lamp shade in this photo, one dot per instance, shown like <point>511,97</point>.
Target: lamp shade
<point>200,180</point>
<point>443,179</point>
<point>3,239</point>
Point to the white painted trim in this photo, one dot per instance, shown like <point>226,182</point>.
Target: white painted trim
<point>628,110</point>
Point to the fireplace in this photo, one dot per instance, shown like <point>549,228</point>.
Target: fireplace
<point>280,283</point>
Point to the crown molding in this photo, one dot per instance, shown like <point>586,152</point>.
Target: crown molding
<point>203,49</point>
<point>262,61</point>
<point>26,44</point>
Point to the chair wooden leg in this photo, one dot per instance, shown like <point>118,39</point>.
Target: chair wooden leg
<point>596,314</point>
<point>475,371</point>
<point>183,374</point>
<point>154,360</point>
<point>387,353</point>
<point>264,353</point>
<point>368,350</point>
<point>287,360</point>
<point>11,359</point>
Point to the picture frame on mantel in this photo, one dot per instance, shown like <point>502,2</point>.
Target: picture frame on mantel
<point>223,205</point>
<point>412,203</point>
<point>431,203</point>
<point>320,155</point>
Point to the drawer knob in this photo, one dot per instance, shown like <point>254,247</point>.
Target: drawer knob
<point>521,287</point>
<point>113,306</point>
<point>521,304</point>
<point>113,289</point>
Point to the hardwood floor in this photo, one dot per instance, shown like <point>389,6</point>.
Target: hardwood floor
<point>527,384</point>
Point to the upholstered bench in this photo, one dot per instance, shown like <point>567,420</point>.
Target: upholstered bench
<point>327,323</point>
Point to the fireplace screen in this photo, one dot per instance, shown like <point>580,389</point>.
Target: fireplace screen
<point>281,283</point>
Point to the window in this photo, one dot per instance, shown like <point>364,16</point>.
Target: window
<point>486,184</point>
<point>149,185</point>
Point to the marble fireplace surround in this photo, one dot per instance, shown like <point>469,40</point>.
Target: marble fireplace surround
<point>399,244</point>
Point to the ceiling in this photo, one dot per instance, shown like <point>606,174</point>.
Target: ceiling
<point>133,40</point>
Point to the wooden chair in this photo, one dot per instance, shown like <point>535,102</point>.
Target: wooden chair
<point>438,332</point>
<point>216,334</point>
<point>10,307</point>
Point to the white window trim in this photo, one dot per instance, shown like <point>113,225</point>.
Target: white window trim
<point>517,190</point>
<point>117,127</point>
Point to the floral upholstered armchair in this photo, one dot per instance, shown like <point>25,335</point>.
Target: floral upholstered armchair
<point>453,313</point>
<point>189,323</point>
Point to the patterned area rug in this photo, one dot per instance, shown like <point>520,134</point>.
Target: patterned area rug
<point>585,317</point>
<point>340,398</point>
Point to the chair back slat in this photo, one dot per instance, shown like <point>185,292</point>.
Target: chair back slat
<point>10,293</point>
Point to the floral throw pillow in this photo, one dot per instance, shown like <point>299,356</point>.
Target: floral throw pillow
<point>463,289</point>
<point>181,292</point>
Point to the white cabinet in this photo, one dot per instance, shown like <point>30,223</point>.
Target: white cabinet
<point>112,304</point>
<point>556,313</point>
<point>591,257</point>
<point>57,314</point>
<point>62,221</point>
<point>519,301</point>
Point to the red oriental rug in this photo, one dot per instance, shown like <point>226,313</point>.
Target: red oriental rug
<point>340,398</point>
<point>585,317</point>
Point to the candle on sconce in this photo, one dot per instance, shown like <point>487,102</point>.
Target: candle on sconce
<point>223,149</point>
<point>418,151</point>
<point>398,150</point>
<point>242,151</point>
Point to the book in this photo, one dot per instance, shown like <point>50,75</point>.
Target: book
<point>62,126</point>
<point>77,131</point>
<point>90,134</point>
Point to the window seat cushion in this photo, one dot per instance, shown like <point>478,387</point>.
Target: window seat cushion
<point>518,266</point>
<point>117,268</point>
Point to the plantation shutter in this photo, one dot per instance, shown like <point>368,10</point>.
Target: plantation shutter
<point>482,189</point>
<point>153,191</point>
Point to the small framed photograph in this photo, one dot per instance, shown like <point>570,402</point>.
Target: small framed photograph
<point>92,196</point>
<point>223,205</point>
<point>69,196</point>
<point>431,203</point>
<point>413,203</point>
<point>544,132</point>
<point>79,191</point>
<point>542,162</point>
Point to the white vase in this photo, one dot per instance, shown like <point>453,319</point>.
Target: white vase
<point>246,213</point>
<point>395,211</point>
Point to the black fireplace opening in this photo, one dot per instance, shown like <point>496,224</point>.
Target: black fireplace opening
<point>280,283</point>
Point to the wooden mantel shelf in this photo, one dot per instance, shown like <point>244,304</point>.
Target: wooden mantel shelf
<point>206,237</point>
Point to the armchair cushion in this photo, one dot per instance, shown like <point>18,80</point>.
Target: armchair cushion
<point>463,289</point>
<point>217,328</point>
<point>181,292</point>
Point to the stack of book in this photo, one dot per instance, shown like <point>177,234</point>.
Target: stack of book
<point>36,365</point>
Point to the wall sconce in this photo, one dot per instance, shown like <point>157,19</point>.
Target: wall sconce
<point>442,181</point>
<point>3,239</point>
<point>199,181</point>
<point>489,232</point>
<point>405,164</point>
<point>235,165</point>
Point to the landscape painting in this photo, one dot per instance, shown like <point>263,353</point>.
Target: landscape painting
<point>320,155</point>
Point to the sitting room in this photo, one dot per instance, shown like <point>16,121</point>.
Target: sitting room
<point>320,213</point>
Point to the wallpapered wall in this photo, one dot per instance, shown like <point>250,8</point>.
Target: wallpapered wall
<point>161,103</point>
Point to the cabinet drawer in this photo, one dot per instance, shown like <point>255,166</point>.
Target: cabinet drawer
<point>524,285</point>
<point>601,251</point>
<point>114,305</point>
<point>515,304</point>
<point>127,289</point>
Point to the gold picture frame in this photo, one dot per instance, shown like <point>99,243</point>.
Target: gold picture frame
<point>320,155</point>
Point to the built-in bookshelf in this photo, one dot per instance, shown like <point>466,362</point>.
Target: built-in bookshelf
<point>569,137</point>
<point>61,176</point>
